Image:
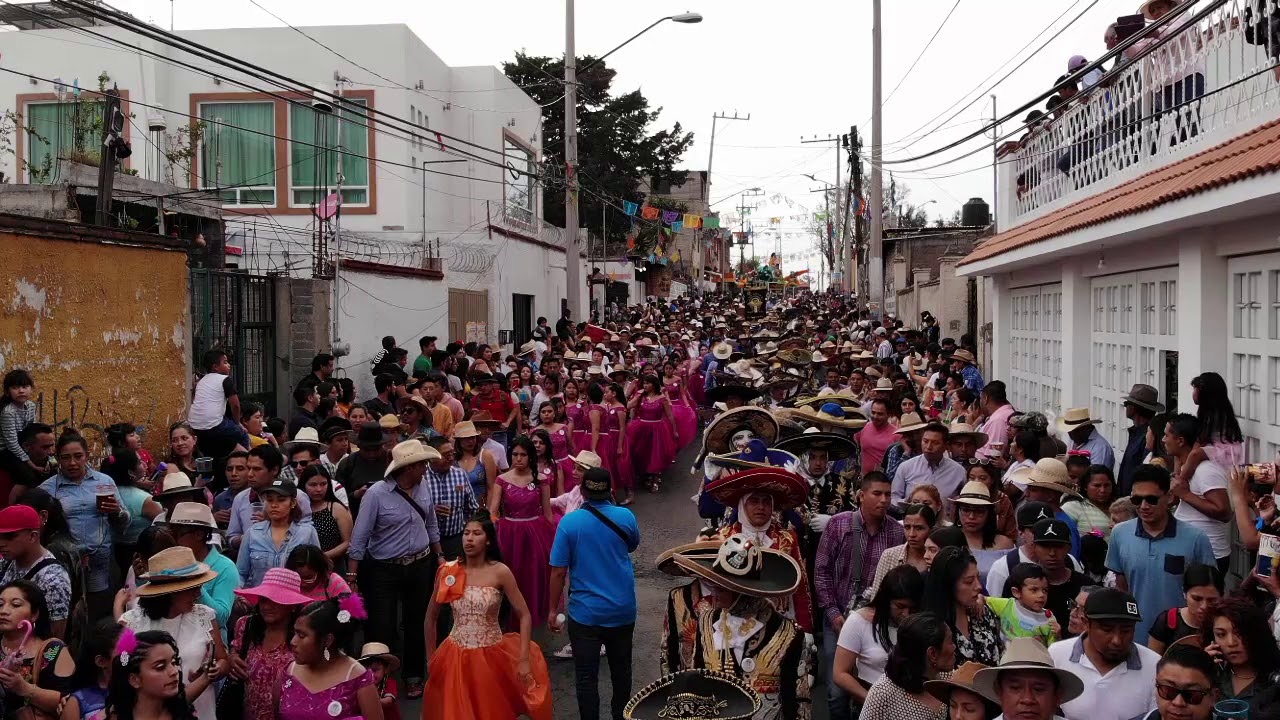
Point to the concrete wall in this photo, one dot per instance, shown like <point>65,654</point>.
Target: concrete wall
<point>303,329</point>
<point>102,320</point>
<point>374,302</point>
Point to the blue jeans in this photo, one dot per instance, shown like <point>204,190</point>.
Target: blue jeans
<point>837,699</point>
<point>228,430</point>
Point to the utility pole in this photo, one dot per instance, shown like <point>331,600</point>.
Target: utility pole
<point>854,245</point>
<point>706,193</point>
<point>572,266</point>
<point>995,167</point>
<point>876,271</point>
<point>112,145</point>
<point>337,215</point>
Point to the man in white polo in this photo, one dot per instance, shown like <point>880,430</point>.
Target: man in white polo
<point>1119,675</point>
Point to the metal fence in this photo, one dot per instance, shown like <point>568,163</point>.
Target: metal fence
<point>236,312</point>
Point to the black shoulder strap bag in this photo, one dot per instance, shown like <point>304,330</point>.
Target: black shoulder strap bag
<point>626,541</point>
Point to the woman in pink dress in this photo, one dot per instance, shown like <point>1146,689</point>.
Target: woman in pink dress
<point>616,454</point>
<point>561,443</point>
<point>575,413</point>
<point>526,529</point>
<point>681,405</point>
<point>548,468</point>
<point>345,688</point>
<point>651,434</point>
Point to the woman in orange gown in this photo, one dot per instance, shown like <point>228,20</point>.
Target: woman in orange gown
<point>478,672</point>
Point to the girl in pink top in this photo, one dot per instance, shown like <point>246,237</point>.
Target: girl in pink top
<point>319,581</point>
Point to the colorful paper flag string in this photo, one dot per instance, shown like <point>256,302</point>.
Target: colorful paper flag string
<point>629,207</point>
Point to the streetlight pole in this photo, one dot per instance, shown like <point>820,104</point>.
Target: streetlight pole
<point>706,191</point>
<point>875,272</point>
<point>572,262</point>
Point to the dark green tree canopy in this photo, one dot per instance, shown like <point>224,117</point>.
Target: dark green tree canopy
<point>617,149</point>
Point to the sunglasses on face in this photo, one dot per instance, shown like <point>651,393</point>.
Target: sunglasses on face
<point>299,463</point>
<point>1193,696</point>
<point>1151,500</point>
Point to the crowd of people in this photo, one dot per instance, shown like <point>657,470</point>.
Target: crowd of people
<point>883,533</point>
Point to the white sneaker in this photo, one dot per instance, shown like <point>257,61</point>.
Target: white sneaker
<point>565,653</point>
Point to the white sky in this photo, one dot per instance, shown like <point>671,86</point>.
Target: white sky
<point>801,68</point>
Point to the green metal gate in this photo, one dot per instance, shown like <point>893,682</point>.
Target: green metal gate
<point>237,312</point>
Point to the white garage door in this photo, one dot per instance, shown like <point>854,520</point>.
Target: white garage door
<point>1036,355</point>
<point>1133,339</point>
<point>1253,366</point>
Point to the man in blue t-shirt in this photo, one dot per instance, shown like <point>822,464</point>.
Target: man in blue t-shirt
<point>593,547</point>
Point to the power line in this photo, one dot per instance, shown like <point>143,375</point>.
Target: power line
<point>918,57</point>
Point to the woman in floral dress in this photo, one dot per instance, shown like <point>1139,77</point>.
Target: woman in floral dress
<point>260,652</point>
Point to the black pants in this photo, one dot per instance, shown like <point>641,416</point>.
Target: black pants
<point>586,641</point>
<point>396,594</point>
<point>452,546</point>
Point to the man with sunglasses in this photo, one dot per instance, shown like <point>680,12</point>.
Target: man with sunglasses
<point>1149,553</point>
<point>1185,688</point>
<point>1119,675</point>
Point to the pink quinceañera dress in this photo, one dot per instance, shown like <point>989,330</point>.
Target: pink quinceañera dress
<point>525,538</point>
<point>686,416</point>
<point>649,440</point>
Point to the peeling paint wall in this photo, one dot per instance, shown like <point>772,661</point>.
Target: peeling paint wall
<point>103,328</point>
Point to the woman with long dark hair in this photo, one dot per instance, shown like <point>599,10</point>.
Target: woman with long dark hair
<point>917,522</point>
<point>124,436</point>
<point>29,689</point>
<point>182,448</point>
<point>526,529</point>
<point>1092,512</point>
<point>147,681</point>
<point>616,454</point>
<point>125,468</point>
<point>343,687</point>
<point>332,519</point>
<point>548,468</point>
<point>868,635</point>
<point>260,653</point>
<point>975,515</point>
<point>87,699</point>
<point>1236,633</point>
<point>477,672</point>
<point>652,435</point>
<point>952,591</point>
<point>1220,438</point>
<point>925,649</point>
<point>1202,586</point>
<point>315,571</point>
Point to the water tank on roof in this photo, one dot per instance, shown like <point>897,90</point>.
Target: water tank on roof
<point>975,213</point>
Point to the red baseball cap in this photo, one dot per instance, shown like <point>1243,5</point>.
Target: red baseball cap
<point>17,518</point>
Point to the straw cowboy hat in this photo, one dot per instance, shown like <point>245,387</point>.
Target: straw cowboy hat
<point>964,356</point>
<point>911,422</point>
<point>1051,474</point>
<point>842,398</point>
<point>722,351</point>
<point>959,429</point>
<point>408,453</point>
<point>192,514</point>
<point>884,384</point>
<point>818,358</point>
<point>838,447</point>
<point>758,420</point>
<point>961,679</point>
<point>743,567</point>
<point>482,419</point>
<point>1075,418</point>
<point>974,492</point>
<point>380,652</point>
<point>830,415</point>
<point>306,437</point>
<point>176,483</point>
<point>465,429</point>
<point>694,695</point>
<point>1026,654</point>
<point>586,459</point>
<point>390,423</point>
<point>174,570</point>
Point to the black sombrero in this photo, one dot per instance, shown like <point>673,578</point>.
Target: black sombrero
<point>838,447</point>
<point>724,391</point>
<point>693,695</point>
<point>743,567</point>
<point>666,561</point>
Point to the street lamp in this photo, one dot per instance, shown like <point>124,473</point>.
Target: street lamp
<point>573,269</point>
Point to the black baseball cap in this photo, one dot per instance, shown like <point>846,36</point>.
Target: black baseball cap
<point>597,484</point>
<point>1112,604</point>
<point>283,487</point>
<point>1033,512</point>
<point>1049,531</point>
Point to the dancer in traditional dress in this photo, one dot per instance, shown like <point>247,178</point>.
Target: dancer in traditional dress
<point>651,433</point>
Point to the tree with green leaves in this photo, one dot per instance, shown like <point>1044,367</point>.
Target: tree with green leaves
<point>617,150</point>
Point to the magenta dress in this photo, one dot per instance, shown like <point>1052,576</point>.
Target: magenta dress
<point>619,466</point>
<point>339,701</point>
<point>649,440</point>
<point>686,417</point>
<point>561,452</point>
<point>577,415</point>
<point>524,537</point>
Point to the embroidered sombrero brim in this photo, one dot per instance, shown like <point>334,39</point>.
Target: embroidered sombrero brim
<point>844,400</point>
<point>774,459</point>
<point>838,447</point>
<point>788,489</point>
<point>666,561</point>
<point>779,575</point>
<point>722,428</point>
<point>693,695</point>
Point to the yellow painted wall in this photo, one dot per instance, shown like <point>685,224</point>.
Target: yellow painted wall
<point>103,328</point>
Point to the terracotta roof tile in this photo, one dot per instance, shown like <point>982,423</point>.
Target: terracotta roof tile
<point>1256,152</point>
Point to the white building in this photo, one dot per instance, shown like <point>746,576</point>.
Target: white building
<point>421,209</point>
<point>1139,235</point>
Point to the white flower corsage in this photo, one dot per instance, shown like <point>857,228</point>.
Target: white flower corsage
<point>344,616</point>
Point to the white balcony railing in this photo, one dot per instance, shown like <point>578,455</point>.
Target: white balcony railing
<point>1214,79</point>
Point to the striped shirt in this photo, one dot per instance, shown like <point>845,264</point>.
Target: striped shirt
<point>452,489</point>
<point>12,421</point>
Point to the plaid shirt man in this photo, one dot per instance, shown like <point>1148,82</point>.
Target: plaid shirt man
<point>847,548</point>
<point>453,490</point>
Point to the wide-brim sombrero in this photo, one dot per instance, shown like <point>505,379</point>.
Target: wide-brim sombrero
<point>779,575</point>
<point>843,399</point>
<point>757,420</point>
<point>693,695</point>
<point>853,420</point>
<point>838,446</point>
<point>788,489</point>
<point>773,458</point>
<point>666,561</point>
<point>724,391</point>
<point>797,356</point>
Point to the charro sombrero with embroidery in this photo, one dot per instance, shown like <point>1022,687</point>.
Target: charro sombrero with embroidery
<point>830,415</point>
<point>743,567</point>
<point>787,489</point>
<point>843,399</point>
<point>666,561</point>
<point>724,426</point>
<point>838,447</point>
<point>693,695</point>
<point>755,455</point>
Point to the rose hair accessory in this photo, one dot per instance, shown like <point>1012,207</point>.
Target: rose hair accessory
<point>351,606</point>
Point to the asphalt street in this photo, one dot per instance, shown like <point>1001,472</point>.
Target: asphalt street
<point>666,519</point>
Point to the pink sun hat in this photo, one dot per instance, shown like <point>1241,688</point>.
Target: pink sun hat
<point>280,586</point>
